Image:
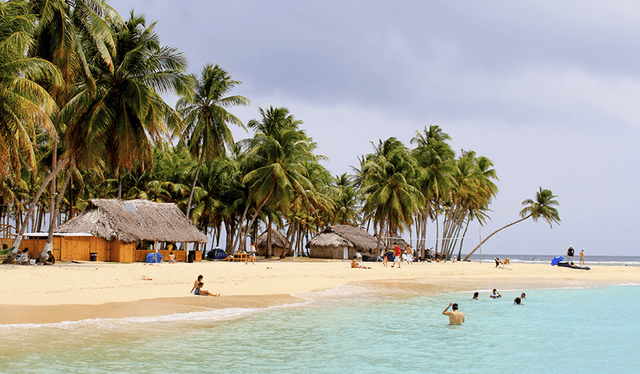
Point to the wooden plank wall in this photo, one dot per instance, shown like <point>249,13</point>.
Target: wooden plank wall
<point>6,242</point>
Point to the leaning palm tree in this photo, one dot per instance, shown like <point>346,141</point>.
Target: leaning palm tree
<point>544,206</point>
<point>206,117</point>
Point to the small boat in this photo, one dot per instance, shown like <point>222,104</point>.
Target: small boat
<point>573,266</point>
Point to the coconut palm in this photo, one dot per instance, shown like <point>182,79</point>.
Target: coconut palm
<point>388,177</point>
<point>543,206</point>
<point>434,157</point>
<point>26,105</point>
<point>345,200</point>
<point>276,159</point>
<point>206,116</point>
<point>116,120</point>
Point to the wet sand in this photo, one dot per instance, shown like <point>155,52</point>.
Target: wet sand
<point>71,292</point>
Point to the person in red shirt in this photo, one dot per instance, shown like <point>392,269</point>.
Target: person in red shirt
<point>397,253</point>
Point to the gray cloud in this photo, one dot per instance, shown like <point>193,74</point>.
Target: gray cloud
<point>547,90</point>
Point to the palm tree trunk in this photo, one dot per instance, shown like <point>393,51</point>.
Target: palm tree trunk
<point>32,208</point>
<point>193,185</point>
<point>255,216</point>
<point>269,245</point>
<point>239,231</point>
<point>463,235</point>
<point>48,246</point>
<point>493,233</point>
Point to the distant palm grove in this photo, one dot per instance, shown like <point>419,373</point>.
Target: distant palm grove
<point>82,116</point>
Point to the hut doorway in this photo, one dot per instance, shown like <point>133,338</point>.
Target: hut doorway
<point>345,253</point>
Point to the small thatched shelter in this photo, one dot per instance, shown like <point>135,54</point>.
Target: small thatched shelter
<point>342,242</point>
<point>110,230</point>
<point>279,244</point>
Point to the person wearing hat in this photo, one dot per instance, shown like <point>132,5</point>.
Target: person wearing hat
<point>455,317</point>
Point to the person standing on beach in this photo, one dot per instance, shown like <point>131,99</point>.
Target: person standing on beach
<point>397,253</point>
<point>570,253</point>
<point>582,257</point>
<point>409,257</point>
<point>385,259</point>
<point>455,317</point>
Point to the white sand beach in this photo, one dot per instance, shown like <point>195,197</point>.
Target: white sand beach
<point>69,291</point>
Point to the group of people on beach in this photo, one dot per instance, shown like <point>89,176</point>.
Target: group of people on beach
<point>23,258</point>
<point>571,253</point>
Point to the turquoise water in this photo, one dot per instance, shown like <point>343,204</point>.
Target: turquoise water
<point>352,329</point>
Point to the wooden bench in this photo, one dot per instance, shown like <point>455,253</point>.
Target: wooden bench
<point>241,257</point>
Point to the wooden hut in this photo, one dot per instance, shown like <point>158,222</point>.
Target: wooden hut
<point>342,242</point>
<point>120,231</point>
<point>279,244</point>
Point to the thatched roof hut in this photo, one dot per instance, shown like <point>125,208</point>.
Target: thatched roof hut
<point>134,220</point>
<point>342,242</point>
<point>279,244</point>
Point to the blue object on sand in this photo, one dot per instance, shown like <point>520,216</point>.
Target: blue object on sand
<point>151,259</point>
<point>556,260</point>
<point>217,254</point>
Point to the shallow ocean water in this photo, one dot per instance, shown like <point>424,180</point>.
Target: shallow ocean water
<point>352,329</point>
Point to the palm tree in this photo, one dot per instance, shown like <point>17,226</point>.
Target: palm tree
<point>345,200</point>
<point>277,154</point>
<point>434,157</point>
<point>26,105</point>
<point>115,120</point>
<point>544,206</point>
<point>388,184</point>
<point>206,117</point>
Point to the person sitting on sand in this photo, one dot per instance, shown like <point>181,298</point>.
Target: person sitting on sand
<point>197,288</point>
<point>455,317</point>
<point>23,258</point>
<point>355,265</point>
<point>50,259</point>
<point>475,295</point>
<point>172,258</point>
<point>518,301</point>
<point>495,294</point>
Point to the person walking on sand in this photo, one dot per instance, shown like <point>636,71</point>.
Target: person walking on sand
<point>582,257</point>
<point>385,260</point>
<point>455,317</point>
<point>397,252</point>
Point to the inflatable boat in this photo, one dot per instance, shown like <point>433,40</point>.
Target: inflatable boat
<point>574,266</point>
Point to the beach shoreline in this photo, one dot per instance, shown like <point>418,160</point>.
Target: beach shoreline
<point>74,292</point>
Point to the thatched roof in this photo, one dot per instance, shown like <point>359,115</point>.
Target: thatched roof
<point>134,220</point>
<point>277,239</point>
<point>393,240</point>
<point>344,236</point>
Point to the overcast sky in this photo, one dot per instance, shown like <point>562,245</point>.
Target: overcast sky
<point>547,90</point>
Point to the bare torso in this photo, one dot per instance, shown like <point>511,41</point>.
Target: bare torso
<point>455,317</point>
